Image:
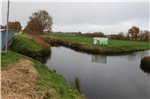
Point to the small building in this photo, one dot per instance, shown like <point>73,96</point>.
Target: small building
<point>100,40</point>
<point>10,37</point>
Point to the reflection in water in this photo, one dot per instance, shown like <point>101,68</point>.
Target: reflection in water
<point>76,83</point>
<point>99,59</point>
<point>132,56</point>
<point>145,69</point>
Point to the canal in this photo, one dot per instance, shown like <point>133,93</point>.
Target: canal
<point>103,77</point>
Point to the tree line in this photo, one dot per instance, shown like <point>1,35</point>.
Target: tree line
<point>134,33</point>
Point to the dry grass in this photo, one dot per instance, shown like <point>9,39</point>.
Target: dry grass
<point>54,39</point>
<point>39,40</point>
<point>24,78</point>
<point>18,81</point>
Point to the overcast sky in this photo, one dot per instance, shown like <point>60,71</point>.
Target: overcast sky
<point>107,17</point>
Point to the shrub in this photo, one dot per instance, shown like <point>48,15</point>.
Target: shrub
<point>96,34</point>
<point>145,64</point>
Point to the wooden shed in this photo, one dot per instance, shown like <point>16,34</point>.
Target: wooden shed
<point>100,40</point>
<point>10,37</point>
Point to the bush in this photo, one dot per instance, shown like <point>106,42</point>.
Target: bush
<point>145,64</point>
<point>97,34</point>
<point>119,36</point>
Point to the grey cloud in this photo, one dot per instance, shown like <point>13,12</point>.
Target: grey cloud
<point>102,13</point>
<point>84,16</point>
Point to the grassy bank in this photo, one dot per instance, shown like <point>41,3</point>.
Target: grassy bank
<point>52,84</point>
<point>32,46</point>
<point>85,44</point>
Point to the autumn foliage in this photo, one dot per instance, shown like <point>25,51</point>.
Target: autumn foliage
<point>39,22</point>
<point>16,26</point>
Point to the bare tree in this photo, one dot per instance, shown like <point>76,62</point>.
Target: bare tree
<point>134,31</point>
<point>39,22</point>
<point>144,35</point>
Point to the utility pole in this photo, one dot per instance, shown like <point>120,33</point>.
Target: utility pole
<point>7,26</point>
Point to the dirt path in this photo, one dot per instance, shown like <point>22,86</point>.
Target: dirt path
<point>18,81</point>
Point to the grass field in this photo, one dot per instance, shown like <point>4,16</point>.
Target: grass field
<point>113,45</point>
<point>21,43</point>
<point>47,79</point>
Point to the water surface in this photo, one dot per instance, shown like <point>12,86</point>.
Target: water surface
<point>103,77</point>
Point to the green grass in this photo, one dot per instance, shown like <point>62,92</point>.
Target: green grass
<point>50,79</point>
<point>24,45</point>
<point>10,58</point>
<point>22,42</point>
<point>47,78</point>
<point>73,38</point>
<point>113,45</point>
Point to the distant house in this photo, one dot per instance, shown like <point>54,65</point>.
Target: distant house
<point>10,37</point>
<point>100,40</point>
